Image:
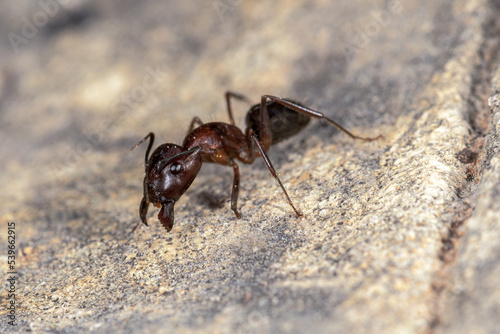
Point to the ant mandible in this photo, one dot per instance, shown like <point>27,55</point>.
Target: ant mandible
<point>172,168</point>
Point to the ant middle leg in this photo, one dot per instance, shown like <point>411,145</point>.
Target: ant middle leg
<point>228,96</point>
<point>311,113</point>
<point>247,156</point>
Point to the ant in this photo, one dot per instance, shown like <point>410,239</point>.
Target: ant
<point>172,168</point>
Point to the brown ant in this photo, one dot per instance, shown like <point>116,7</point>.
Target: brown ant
<point>172,168</point>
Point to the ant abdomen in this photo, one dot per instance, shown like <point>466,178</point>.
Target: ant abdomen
<point>284,122</point>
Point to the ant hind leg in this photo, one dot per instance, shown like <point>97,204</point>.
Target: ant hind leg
<point>315,114</point>
<point>273,173</point>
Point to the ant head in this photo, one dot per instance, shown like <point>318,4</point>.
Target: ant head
<point>169,173</point>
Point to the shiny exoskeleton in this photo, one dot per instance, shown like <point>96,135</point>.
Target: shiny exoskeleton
<point>172,168</point>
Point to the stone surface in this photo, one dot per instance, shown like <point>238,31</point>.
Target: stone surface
<point>399,235</point>
<point>471,296</point>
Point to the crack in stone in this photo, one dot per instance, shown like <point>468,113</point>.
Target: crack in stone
<point>474,159</point>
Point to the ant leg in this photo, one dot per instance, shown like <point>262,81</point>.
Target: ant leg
<point>236,189</point>
<point>312,113</point>
<point>265,134</point>
<point>143,211</point>
<point>196,120</point>
<point>229,95</point>
<point>151,137</point>
<point>273,172</point>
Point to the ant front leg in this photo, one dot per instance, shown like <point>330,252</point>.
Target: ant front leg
<point>309,112</point>
<point>229,95</point>
<point>143,211</point>
<point>143,208</point>
<point>236,189</point>
<point>196,120</point>
<point>151,137</point>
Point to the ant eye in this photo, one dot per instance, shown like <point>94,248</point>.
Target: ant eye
<point>175,168</point>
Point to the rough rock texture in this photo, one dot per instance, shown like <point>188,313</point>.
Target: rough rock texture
<point>471,296</point>
<point>400,235</point>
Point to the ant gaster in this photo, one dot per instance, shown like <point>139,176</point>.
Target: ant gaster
<point>172,168</point>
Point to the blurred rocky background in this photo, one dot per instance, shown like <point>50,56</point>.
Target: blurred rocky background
<point>400,235</point>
